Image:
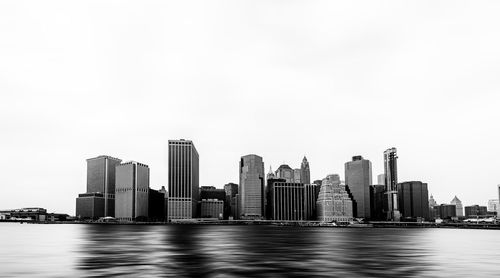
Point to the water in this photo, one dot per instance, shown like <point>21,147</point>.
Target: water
<point>244,251</point>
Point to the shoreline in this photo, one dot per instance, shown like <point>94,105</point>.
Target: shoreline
<point>404,225</point>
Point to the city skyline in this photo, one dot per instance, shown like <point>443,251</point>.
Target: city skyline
<point>327,81</point>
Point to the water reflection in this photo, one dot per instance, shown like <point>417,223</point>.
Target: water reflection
<point>244,251</point>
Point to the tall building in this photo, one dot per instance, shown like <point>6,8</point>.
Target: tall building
<point>251,188</point>
<point>391,181</point>
<point>458,206</point>
<point>413,200</point>
<point>99,200</point>
<point>334,202</point>
<point>377,202</point>
<point>157,205</point>
<point>287,201</point>
<point>432,204</point>
<point>231,192</point>
<point>285,172</point>
<point>183,179</point>
<point>358,177</point>
<point>305,172</point>
<point>310,197</point>
<point>381,179</point>
<point>132,191</point>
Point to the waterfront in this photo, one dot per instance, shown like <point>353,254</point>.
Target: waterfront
<point>242,251</point>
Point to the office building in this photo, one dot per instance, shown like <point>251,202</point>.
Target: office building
<point>358,177</point>
<point>311,192</point>
<point>231,190</point>
<point>99,200</point>
<point>493,206</point>
<point>476,211</point>
<point>381,179</point>
<point>334,203</point>
<point>413,200</point>
<point>285,172</point>
<point>445,211</point>
<point>183,179</point>
<point>432,204</point>
<point>210,192</point>
<point>305,172</point>
<point>287,201</point>
<point>157,205</point>
<point>391,181</point>
<point>212,208</point>
<point>251,188</point>
<point>132,192</point>
<point>458,206</point>
<point>377,202</point>
<point>296,176</point>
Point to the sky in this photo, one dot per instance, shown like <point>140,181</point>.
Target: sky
<point>281,79</point>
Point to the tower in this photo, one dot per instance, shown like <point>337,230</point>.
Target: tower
<point>391,181</point>
<point>183,179</point>
<point>132,191</point>
<point>305,174</point>
<point>458,206</point>
<point>251,187</point>
<point>358,177</point>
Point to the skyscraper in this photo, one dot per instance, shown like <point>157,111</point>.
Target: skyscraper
<point>183,179</point>
<point>358,177</point>
<point>413,200</point>
<point>391,181</point>
<point>287,201</point>
<point>99,200</point>
<point>458,206</point>
<point>132,191</point>
<point>296,175</point>
<point>334,202</point>
<point>305,173</point>
<point>251,188</point>
<point>231,192</point>
<point>285,172</point>
<point>381,179</point>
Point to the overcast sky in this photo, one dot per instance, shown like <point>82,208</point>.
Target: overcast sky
<point>281,79</point>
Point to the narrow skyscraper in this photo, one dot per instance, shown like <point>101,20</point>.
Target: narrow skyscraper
<point>183,179</point>
<point>459,206</point>
<point>132,191</point>
<point>251,187</point>
<point>391,181</point>
<point>305,173</point>
<point>358,177</point>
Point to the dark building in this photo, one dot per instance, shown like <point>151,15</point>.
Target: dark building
<point>211,208</point>
<point>445,211</point>
<point>100,188</point>
<point>358,177</point>
<point>413,200</point>
<point>28,214</point>
<point>231,205</point>
<point>183,179</point>
<point>91,205</point>
<point>391,182</point>
<point>212,193</point>
<point>269,196</point>
<point>156,205</point>
<point>476,211</point>
<point>311,192</point>
<point>377,202</point>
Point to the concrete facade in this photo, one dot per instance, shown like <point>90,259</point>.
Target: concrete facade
<point>251,188</point>
<point>358,177</point>
<point>132,192</point>
<point>183,179</point>
<point>334,202</point>
<point>458,205</point>
<point>91,205</point>
<point>285,172</point>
